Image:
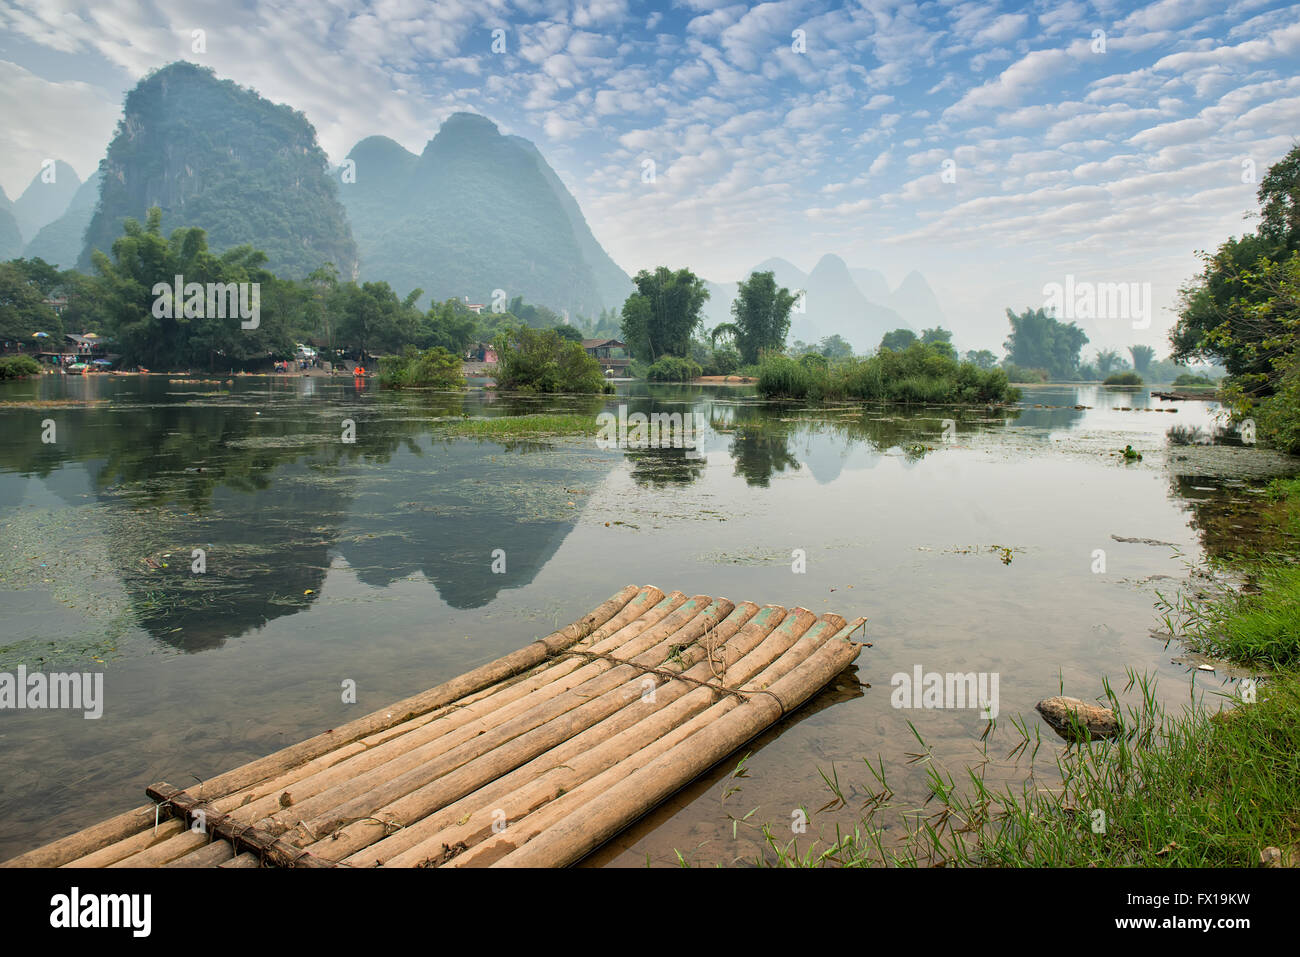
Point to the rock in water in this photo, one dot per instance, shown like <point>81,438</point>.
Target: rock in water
<point>1069,717</point>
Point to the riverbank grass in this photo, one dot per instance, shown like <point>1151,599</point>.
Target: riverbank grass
<point>1216,785</point>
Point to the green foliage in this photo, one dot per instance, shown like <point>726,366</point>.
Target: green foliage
<point>143,258</point>
<point>433,368</point>
<point>1142,358</point>
<point>539,360</point>
<point>917,374</point>
<point>835,347</point>
<point>1107,361</point>
<point>723,361</point>
<point>661,316</point>
<point>23,284</point>
<point>1039,341</point>
<point>1016,374</point>
<point>761,315</point>
<point>18,367</point>
<point>983,358</point>
<point>673,369</point>
<point>898,340</point>
<point>1187,380</point>
<point>940,339</point>
<point>1278,415</point>
<point>1123,378</point>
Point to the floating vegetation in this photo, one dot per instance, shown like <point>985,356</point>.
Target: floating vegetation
<point>540,424</point>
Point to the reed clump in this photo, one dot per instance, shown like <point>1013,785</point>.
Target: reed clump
<point>919,375</point>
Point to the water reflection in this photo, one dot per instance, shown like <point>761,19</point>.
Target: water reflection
<point>260,475</point>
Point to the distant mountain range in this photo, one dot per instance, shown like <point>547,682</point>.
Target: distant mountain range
<point>60,241</point>
<point>474,213</point>
<point>855,304</point>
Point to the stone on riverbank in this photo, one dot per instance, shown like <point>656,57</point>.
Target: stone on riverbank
<point>1069,717</point>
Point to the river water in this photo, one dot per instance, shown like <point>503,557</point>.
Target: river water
<point>972,540</point>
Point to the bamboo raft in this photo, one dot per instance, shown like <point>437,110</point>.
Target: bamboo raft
<point>532,760</point>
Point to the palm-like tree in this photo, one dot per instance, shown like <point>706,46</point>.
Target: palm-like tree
<point>1107,361</point>
<point>1142,356</point>
<point>724,329</point>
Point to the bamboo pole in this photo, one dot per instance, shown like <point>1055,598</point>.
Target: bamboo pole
<point>300,789</point>
<point>591,825</point>
<point>744,627</point>
<point>565,767</point>
<point>349,795</point>
<point>649,605</point>
<point>513,743</point>
<point>136,820</point>
<point>111,853</point>
<point>766,663</point>
<point>218,852</point>
<point>159,854</point>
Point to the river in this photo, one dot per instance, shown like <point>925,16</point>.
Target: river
<point>973,540</point>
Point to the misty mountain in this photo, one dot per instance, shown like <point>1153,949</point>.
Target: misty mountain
<point>216,155</point>
<point>856,304</point>
<point>476,212</point>
<point>916,302</point>
<point>836,306</point>
<point>60,242</point>
<point>43,202</point>
<point>873,284</point>
<point>11,237</point>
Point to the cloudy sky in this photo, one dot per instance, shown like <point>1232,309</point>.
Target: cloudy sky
<point>994,147</point>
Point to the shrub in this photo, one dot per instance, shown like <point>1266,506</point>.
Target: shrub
<point>1017,373</point>
<point>918,374</point>
<point>673,369</point>
<point>724,361</point>
<point>1188,379</point>
<point>18,367</point>
<point>539,360</point>
<point>1123,378</point>
<point>435,368</point>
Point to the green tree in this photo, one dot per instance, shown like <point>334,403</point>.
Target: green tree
<point>761,315</point>
<point>22,312</point>
<point>1231,311</point>
<point>539,360</point>
<point>835,347</point>
<point>1142,358</point>
<point>1039,341</point>
<point>372,320</point>
<point>1107,361</point>
<point>983,359</point>
<point>136,318</point>
<point>898,340</point>
<point>940,339</point>
<point>660,317</point>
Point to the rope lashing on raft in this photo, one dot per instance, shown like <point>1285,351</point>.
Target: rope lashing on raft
<point>678,676</point>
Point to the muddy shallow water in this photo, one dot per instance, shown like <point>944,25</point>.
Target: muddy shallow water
<point>969,538</point>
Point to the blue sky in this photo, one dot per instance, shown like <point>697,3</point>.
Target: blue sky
<point>1108,157</point>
